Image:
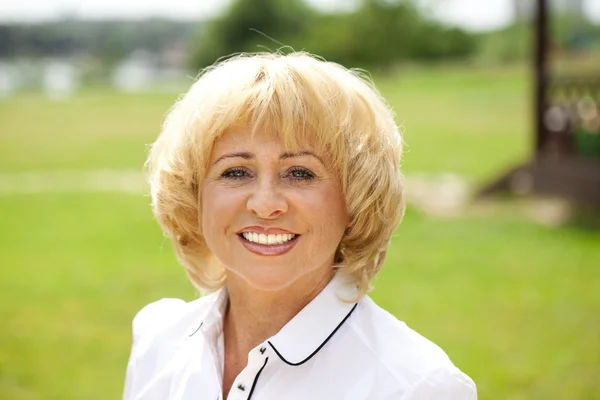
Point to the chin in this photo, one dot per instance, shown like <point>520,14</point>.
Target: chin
<point>274,277</point>
<point>275,273</point>
<point>269,282</point>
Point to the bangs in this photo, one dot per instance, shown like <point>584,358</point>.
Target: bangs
<point>305,109</point>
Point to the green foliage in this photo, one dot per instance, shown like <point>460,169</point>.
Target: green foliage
<point>568,34</point>
<point>333,38</point>
<point>385,32</point>
<point>507,45</point>
<point>391,31</point>
<point>244,26</point>
<point>378,33</point>
<point>439,43</point>
<point>574,33</point>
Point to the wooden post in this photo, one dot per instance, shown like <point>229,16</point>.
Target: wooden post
<point>541,73</point>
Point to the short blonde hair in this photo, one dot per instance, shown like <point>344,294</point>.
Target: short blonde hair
<point>305,100</point>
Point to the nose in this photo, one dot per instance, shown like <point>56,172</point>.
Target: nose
<point>266,200</point>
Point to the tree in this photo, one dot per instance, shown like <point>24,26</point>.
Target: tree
<point>236,30</point>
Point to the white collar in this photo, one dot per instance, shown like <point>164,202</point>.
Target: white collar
<point>301,338</point>
<point>212,315</point>
<point>305,334</point>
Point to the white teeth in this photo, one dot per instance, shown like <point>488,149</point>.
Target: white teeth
<point>268,239</point>
<point>262,238</point>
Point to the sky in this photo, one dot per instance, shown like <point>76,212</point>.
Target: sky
<point>474,15</point>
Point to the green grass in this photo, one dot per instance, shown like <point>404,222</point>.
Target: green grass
<point>515,305</point>
<point>75,268</point>
<point>472,122</point>
<point>93,130</point>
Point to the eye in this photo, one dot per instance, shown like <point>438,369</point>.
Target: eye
<point>235,173</point>
<point>300,174</point>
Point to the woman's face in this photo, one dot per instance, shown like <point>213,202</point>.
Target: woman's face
<point>271,217</point>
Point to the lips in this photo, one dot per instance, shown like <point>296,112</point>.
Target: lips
<point>267,241</point>
<point>260,229</point>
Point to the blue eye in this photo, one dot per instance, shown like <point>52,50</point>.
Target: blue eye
<point>301,174</point>
<point>235,173</point>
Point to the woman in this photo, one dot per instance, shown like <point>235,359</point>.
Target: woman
<point>277,179</point>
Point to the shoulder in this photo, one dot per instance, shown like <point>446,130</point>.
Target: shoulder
<point>394,342</point>
<point>158,328</point>
<point>153,315</point>
<point>419,366</point>
<point>170,317</point>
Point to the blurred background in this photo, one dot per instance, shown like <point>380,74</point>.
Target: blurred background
<point>508,286</point>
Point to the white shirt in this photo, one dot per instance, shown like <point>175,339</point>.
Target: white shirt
<point>331,349</point>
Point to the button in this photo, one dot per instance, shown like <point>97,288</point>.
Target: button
<point>241,387</point>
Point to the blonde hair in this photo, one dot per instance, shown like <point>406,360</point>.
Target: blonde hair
<point>304,100</point>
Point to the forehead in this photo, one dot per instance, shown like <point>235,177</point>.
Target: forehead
<point>243,135</point>
<point>238,138</point>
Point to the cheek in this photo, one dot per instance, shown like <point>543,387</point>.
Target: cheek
<point>325,211</point>
<point>219,207</point>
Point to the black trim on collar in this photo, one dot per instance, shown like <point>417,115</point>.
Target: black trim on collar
<point>256,378</point>
<point>318,348</point>
<point>197,329</point>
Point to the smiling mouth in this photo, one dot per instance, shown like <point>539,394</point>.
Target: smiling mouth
<point>268,239</point>
<point>268,244</point>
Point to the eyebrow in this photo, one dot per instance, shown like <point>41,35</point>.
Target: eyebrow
<point>284,156</point>
<point>245,156</point>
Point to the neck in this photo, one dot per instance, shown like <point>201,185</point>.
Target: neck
<point>254,315</point>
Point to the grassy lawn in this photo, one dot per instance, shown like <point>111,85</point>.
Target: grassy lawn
<point>515,305</point>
